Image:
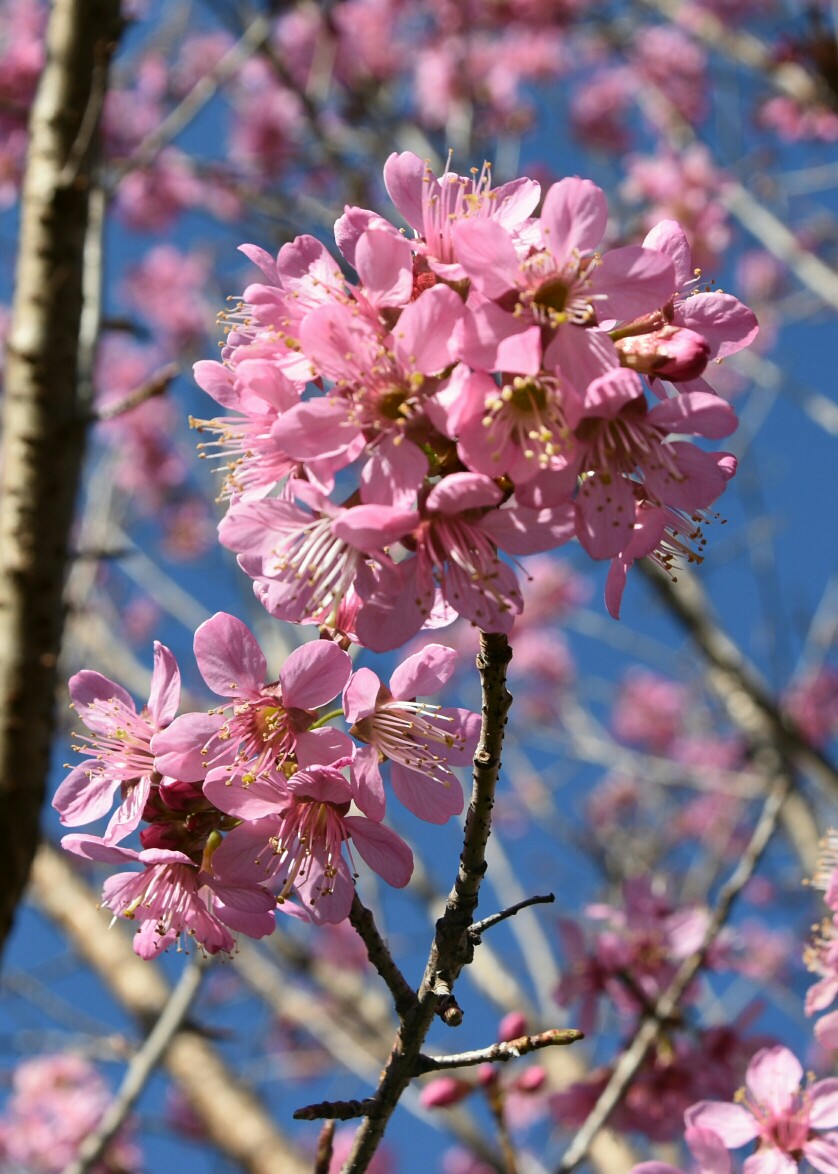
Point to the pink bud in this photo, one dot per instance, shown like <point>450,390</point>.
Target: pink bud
<point>512,1026</point>
<point>673,352</point>
<point>444,1092</point>
<point>486,1075</point>
<point>532,1080</point>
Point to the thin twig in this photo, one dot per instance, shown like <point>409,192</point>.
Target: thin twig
<point>452,948</point>
<point>323,1157</point>
<point>480,927</point>
<point>361,919</point>
<point>736,681</point>
<point>140,1069</point>
<point>337,1110</point>
<point>156,384</point>
<point>251,41</point>
<point>632,1058</point>
<point>508,1050</point>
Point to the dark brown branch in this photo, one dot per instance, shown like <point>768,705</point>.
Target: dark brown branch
<point>452,947</point>
<point>44,416</point>
<point>509,1050</point>
<point>480,927</point>
<point>336,1110</point>
<point>361,919</point>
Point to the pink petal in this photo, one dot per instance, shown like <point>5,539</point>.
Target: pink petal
<point>360,695</point>
<point>370,527</point>
<point>425,334</point>
<point>92,848</point>
<point>423,673</point>
<point>822,1153</point>
<point>823,1095</point>
<point>605,510</point>
<point>770,1161</point>
<point>695,412</point>
<point>669,237</point>
<point>229,657</point>
<point>582,354</point>
<point>635,279</point>
<point>826,1029</point>
<point>218,381</point>
<point>88,687</point>
<point>178,750</point>
<point>574,216</point>
<point>315,428</point>
<point>393,474</point>
<point>733,1124</point>
<point>519,530</point>
<point>380,848</point>
<point>404,179</point>
<point>773,1078</point>
<point>313,674</point>
<point>463,491</point>
<point>261,798</point>
<point>369,786</point>
<point>384,261</point>
<point>426,799</point>
<point>485,250</point>
<point>725,322</point>
<point>324,747</point>
<point>164,696</point>
<point>84,797</point>
<point>259,257</point>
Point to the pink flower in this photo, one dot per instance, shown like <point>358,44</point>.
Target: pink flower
<point>788,1122</point>
<point>57,1101</point>
<point>173,897</point>
<point>270,722</point>
<point>294,835</point>
<point>434,207</point>
<point>120,750</point>
<point>562,286</point>
<point>421,740</point>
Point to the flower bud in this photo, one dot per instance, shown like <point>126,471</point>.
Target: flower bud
<point>512,1026</point>
<point>673,352</point>
<point>444,1092</point>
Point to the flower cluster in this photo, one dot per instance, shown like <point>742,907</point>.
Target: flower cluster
<point>477,393</point>
<point>258,804</point>
<point>56,1102</point>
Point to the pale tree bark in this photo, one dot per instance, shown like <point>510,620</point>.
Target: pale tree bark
<point>44,416</point>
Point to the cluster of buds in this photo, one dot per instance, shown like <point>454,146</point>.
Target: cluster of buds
<point>260,804</point>
<point>478,392</point>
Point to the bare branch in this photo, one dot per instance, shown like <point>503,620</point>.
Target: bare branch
<point>508,1050</point>
<point>361,919</point>
<point>452,948</point>
<point>480,927</point>
<point>140,1070</point>
<point>632,1058</point>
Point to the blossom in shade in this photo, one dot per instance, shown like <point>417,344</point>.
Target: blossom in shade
<point>421,740</point>
<point>788,1120</point>
<point>119,753</point>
